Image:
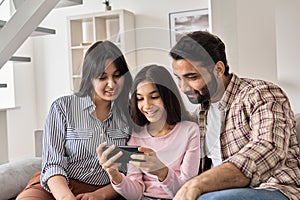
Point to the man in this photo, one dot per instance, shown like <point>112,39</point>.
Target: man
<point>247,127</point>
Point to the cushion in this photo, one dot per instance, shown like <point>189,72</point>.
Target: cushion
<point>38,139</point>
<point>14,176</point>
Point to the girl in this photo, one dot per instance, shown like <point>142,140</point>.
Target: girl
<point>78,123</point>
<point>170,146</point>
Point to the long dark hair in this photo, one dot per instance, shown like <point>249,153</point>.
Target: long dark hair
<point>168,91</point>
<point>94,64</point>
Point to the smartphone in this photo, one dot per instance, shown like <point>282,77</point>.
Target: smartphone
<point>133,149</point>
<point>125,158</point>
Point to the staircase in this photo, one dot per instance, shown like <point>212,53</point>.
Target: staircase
<point>29,14</point>
<point>14,31</point>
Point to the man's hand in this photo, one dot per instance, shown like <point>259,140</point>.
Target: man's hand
<point>222,177</point>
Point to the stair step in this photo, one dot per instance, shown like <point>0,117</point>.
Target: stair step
<point>37,32</point>
<point>20,59</point>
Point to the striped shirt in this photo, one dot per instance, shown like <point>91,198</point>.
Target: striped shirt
<point>71,135</point>
<point>258,135</point>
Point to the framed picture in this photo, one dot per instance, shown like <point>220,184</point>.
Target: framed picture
<point>184,22</point>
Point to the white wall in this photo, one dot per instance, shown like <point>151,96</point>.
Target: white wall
<point>256,39</point>
<point>22,121</point>
<point>262,40</point>
<point>250,30</point>
<point>288,49</point>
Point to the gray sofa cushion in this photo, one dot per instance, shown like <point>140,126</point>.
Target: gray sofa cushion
<point>38,139</point>
<point>14,176</point>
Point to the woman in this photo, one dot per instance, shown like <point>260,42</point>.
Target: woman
<point>78,123</point>
<point>170,144</point>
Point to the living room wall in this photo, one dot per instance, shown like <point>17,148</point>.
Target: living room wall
<point>257,36</point>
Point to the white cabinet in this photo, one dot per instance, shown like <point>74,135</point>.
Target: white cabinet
<point>7,89</point>
<point>116,26</point>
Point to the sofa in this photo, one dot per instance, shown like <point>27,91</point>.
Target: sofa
<point>15,175</point>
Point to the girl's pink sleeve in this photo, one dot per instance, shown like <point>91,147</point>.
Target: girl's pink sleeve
<point>190,164</point>
<point>132,185</point>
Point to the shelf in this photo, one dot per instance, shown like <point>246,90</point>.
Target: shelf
<point>9,108</point>
<point>76,76</point>
<point>81,47</point>
<point>37,32</point>
<point>43,31</point>
<point>3,85</point>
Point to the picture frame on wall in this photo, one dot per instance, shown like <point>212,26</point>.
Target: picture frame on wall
<point>184,22</point>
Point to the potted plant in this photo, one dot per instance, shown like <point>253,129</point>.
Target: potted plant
<point>107,4</point>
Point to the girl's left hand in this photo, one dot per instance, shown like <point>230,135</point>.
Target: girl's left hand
<point>150,163</point>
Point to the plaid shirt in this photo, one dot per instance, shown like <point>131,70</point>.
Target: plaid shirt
<point>258,135</point>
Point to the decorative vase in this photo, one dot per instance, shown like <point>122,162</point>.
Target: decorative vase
<point>107,8</point>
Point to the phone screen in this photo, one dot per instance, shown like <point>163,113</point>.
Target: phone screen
<point>125,158</point>
<point>133,149</point>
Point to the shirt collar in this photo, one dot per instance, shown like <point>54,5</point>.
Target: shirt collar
<point>230,92</point>
<point>88,103</point>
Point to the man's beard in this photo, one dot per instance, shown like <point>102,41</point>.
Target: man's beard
<point>208,91</point>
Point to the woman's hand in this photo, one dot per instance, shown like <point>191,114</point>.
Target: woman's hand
<point>59,188</point>
<point>150,163</point>
<point>110,165</point>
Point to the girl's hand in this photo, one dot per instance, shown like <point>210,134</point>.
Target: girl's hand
<point>110,165</point>
<point>103,193</point>
<point>69,197</point>
<point>150,163</point>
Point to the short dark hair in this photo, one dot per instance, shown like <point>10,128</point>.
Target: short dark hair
<point>168,91</point>
<point>201,46</point>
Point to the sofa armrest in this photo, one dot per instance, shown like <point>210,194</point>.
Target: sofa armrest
<point>14,176</point>
<point>38,139</point>
<point>297,118</point>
